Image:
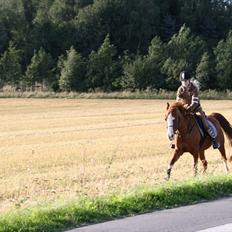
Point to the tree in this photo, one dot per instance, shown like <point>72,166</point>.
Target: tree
<point>3,37</point>
<point>50,30</point>
<point>210,19</point>
<point>145,71</point>
<point>131,24</point>
<point>10,68</point>
<point>40,71</point>
<point>135,74</point>
<point>56,25</point>
<point>28,11</point>
<point>42,10</point>
<point>223,54</point>
<point>62,11</point>
<point>84,3</point>
<point>11,23</point>
<point>172,69</point>
<point>168,27</point>
<point>72,74</point>
<point>186,46</point>
<point>155,59</point>
<point>205,72</point>
<point>101,66</point>
<point>184,52</point>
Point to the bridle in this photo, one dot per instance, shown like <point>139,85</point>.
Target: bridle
<point>175,127</point>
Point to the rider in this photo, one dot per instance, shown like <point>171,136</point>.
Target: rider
<point>188,93</point>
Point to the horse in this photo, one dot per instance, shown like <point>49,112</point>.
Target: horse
<point>184,131</point>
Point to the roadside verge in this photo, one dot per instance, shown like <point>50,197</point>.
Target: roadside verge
<point>145,199</point>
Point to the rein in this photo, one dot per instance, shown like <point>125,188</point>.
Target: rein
<point>189,128</point>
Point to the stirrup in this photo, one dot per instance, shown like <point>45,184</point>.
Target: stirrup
<point>215,144</point>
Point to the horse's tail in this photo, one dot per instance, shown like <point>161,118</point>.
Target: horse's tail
<point>226,126</point>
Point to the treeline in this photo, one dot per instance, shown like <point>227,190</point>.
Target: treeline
<point>83,45</point>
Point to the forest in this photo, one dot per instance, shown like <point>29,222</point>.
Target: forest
<point>114,45</point>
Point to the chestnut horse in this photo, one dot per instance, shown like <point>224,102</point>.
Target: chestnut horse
<point>188,137</point>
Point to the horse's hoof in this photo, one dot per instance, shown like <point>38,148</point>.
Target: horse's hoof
<point>172,146</point>
<point>167,178</point>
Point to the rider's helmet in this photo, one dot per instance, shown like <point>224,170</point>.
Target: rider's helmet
<point>184,75</point>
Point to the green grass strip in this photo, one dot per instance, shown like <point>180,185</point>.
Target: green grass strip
<point>144,199</point>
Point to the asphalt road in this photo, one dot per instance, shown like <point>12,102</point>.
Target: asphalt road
<point>183,219</point>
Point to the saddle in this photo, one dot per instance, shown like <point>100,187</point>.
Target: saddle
<point>201,127</point>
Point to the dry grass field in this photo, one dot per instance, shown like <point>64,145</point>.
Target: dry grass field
<point>62,149</point>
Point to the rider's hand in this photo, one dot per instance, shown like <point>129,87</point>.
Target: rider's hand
<point>186,106</point>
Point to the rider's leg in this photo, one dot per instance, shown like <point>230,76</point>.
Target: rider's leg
<point>208,129</point>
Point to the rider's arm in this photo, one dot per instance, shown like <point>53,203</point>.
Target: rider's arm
<point>195,100</point>
<point>179,94</point>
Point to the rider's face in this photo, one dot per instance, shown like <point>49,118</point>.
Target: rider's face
<point>185,83</point>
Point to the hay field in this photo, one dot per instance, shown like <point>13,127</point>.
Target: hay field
<point>57,149</point>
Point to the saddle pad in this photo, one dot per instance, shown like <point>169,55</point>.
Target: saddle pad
<point>213,128</point>
<point>203,132</point>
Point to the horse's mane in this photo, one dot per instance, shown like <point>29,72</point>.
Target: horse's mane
<point>179,105</point>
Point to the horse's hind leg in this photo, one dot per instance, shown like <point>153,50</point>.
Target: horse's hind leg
<point>195,166</point>
<point>203,160</point>
<point>223,154</point>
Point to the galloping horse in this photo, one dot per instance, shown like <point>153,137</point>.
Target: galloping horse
<point>188,137</point>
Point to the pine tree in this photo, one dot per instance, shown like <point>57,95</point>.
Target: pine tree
<point>205,72</point>
<point>186,46</point>
<point>62,11</point>
<point>72,72</point>
<point>3,37</point>
<point>40,70</point>
<point>172,69</point>
<point>184,52</point>
<point>135,74</point>
<point>10,67</point>
<point>155,59</point>
<point>144,71</point>
<point>223,54</point>
<point>101,66</point>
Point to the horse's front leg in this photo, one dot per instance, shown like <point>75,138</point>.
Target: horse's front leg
<point>176,155</point>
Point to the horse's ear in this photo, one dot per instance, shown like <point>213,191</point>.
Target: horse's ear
<point>168,105</point>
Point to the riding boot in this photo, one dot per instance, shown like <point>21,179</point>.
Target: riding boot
<point>215,144</point>
<point>208,129</point>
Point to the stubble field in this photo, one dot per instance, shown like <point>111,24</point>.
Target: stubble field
<point>58,150</point>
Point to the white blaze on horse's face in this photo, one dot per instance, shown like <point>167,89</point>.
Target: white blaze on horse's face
<point>170,121</point>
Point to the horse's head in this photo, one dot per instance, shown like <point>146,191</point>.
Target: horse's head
<point>174,116</point>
